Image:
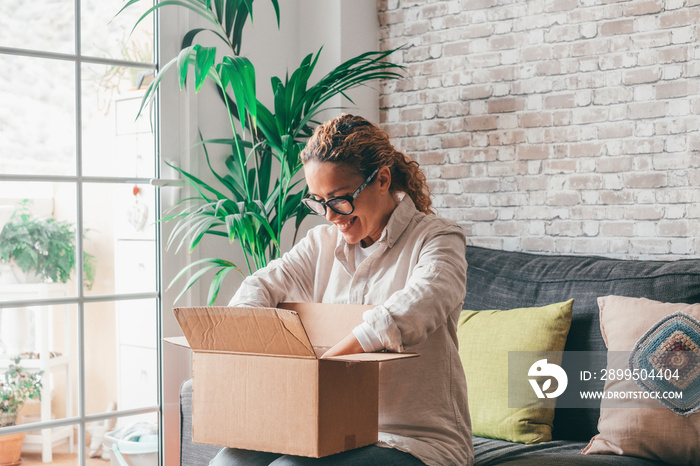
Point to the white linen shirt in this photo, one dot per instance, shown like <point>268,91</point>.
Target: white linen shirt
<point>416,281</point>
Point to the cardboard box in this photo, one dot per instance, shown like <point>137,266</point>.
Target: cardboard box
<point>258,382</point>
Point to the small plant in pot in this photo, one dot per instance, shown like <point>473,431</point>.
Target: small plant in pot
<point>44,247</point>
<point>16,387</point>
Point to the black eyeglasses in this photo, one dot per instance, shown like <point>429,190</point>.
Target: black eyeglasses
<point>342,205</point>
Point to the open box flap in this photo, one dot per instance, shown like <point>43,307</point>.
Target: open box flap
<point>327,324</point>
<point>373,357</point>
<point>244,330</point>
<point>178,341</point>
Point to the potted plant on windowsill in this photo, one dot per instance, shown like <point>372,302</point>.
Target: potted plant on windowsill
<point>260,190</point>
<point>16,387</point>
<point>40,250</point>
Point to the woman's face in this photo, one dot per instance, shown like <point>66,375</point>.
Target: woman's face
<point>373,206</point>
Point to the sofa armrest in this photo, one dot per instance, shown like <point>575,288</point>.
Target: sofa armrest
<point>191,454</point>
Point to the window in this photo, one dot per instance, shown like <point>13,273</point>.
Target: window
<point>80,300</point>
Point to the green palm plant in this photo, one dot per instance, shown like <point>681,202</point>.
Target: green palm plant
<point>260,190</point>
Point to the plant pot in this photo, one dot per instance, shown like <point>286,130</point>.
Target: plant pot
<point>11,274</point>
<point>8,419</point>
<point>11,448</point>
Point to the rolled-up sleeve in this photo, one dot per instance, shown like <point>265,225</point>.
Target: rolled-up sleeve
<point>435,288</point>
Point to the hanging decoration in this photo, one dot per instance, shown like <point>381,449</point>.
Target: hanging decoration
<point>137,213</point>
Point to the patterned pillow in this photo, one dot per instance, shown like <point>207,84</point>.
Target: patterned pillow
<point>663,339</point>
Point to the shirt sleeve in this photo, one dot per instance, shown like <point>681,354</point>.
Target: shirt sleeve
<point>435,288</point>
<point>289,278</point>
<point>368,338</point>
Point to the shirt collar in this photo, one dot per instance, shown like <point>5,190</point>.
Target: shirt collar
<point>399,220</point>
<point>397,224</point>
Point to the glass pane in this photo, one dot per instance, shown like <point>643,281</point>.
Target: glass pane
<point>122,432</point>
<point>44,338</point>
<point>101,439</point>
<point>37,116</point>
<point>107,36</point>
<point>120,355</point>
<point>37,240</point>
<point>47,25</point>
<point>63,451</point>
<point>114,144</point>
<point>120,232</point>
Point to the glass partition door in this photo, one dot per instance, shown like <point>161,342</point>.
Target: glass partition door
<point>79,241</point>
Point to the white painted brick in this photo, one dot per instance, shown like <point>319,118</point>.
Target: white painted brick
<point>508,214</point>
<point>617,113</point>
<point>614,147</point>
<point>536,228</point>
<point>501,89</point>
<point>535,37</point>
<point>589,197</point>
<point>596,246</point>
<point>681,246</point>
<point>678,179</point>
<point>646,197</point>
<point>644,129</point>
<point>480,140</point>
<point>672,72</point>
<point>481,200</point>
<point>675,212</point>
<point>613,182</point>
<point>534,167</point>
<point>502,28</point>
<point>646,23</point>
<point>678,107</point>
<point>589,30</point>
<point>510,57</point>
<point>482,229</point>
<point>511,244</point>
<point>478,107</point>
<point>650,246</point>
<point>676,144</point>
<point>645,228</point>
<point>533,102</point>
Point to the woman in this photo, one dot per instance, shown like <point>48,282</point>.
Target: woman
<point>384,247</point>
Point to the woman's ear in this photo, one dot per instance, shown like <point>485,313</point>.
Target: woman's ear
<point>384,179</point>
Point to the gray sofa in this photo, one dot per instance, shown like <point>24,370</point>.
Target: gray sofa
<point>507,280</point>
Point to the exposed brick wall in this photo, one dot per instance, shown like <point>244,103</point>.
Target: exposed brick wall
<point>568,126</point>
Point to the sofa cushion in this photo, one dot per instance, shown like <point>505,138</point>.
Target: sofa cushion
<point>485,338</point>
<point>667,335</point>
<point>490,452</point>
<point>507,280</point>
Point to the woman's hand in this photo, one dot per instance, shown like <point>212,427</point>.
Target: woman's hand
<point>348,345</point>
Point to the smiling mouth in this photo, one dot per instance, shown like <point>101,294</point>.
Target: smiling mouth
<point>343,227</point>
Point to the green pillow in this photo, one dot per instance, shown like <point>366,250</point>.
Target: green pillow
<point>485,337</point>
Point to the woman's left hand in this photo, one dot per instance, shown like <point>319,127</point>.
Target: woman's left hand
<point>348,345</point>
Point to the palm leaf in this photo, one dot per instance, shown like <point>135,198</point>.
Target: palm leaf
<point>213,263</point>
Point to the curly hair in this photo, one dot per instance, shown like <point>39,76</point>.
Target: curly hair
<point>354,141</point>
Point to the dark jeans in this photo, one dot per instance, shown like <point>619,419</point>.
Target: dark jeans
<point>370,455</point>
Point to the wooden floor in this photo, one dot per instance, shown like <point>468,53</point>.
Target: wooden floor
<point>60,459</point>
